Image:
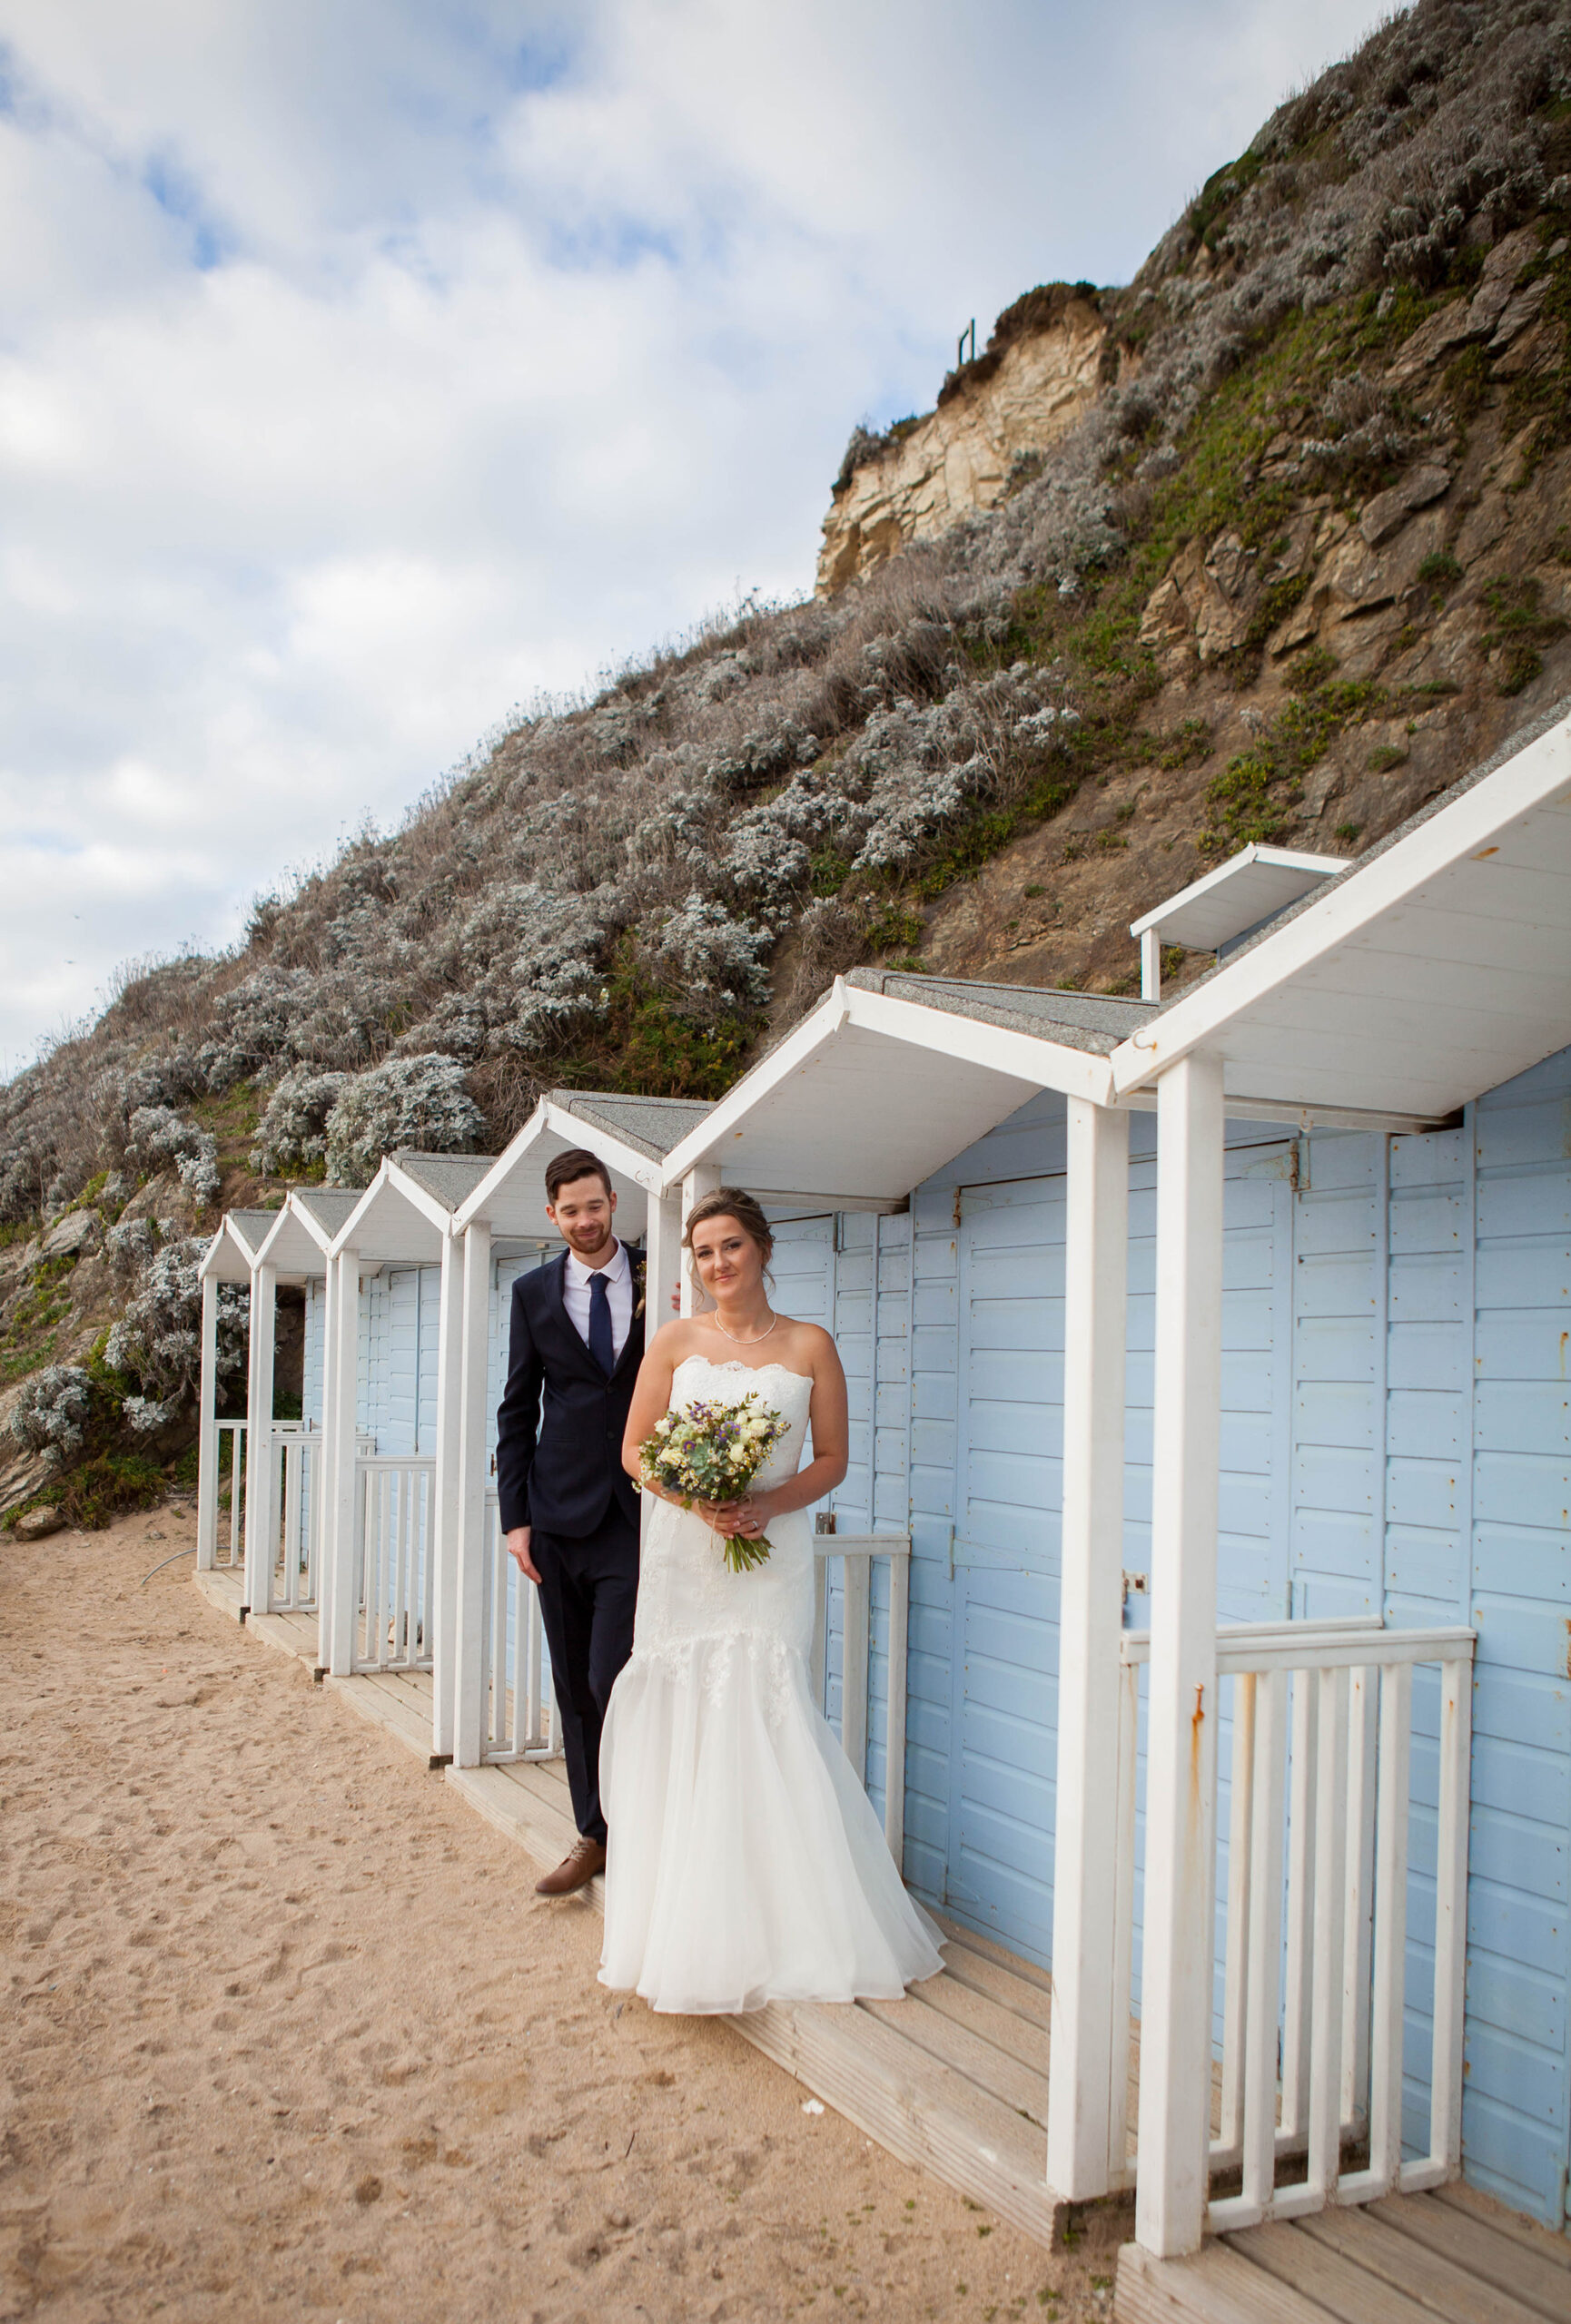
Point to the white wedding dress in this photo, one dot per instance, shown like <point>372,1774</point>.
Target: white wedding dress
<point>745,1863</point>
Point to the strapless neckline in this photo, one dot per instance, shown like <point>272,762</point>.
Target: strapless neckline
<point>735,1363</point>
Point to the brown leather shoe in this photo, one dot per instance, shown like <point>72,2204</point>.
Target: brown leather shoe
<point>575,1871</point>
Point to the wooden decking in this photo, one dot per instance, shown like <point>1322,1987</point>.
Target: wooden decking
<point>953,2079</point>
<point>1454,2256</point>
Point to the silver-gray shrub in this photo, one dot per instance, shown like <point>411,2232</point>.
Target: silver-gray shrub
<point>156,1341</point>
<point>532,958</point>
<point>713,961</point>
<point>50,1412</point>
<point>417,1101</point>
<point>158,1134</point>
<point>291,1135</point>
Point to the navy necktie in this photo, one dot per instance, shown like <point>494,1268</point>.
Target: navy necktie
<point>602,1340</point>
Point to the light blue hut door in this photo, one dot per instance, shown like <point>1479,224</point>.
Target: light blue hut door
<point>1009,1497</point>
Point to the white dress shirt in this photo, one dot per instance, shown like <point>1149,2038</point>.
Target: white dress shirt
<point>619,1273</point>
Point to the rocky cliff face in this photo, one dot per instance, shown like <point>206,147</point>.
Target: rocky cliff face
<point>996,418</point>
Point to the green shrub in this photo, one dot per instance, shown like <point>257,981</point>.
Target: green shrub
<point>1383,759</point>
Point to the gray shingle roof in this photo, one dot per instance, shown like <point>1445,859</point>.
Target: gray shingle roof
<point>447,1177</point>
<point>651,1125</point>
<point>1097,1021</point>
<point>329,1205</point>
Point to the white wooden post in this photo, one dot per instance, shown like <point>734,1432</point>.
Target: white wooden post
<point>701,1180</point>
<point>260,1544</point>
<point>322,1504</point>
<point>339,1527</point>
<point>207,1431</point>
<point>469,1682</point>
<point>1091,1602</point>
<point>445,1495</point>
<point>1151,965</point>
<point>1175,2077</point>
<point>662,1261</point>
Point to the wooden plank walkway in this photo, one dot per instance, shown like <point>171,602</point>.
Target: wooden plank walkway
<point>1455,2256</point>
<point>953,2079</point>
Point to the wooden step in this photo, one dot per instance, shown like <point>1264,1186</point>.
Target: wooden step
<point>1555,2248</point>
<point>1502,2264</point>
<point>1323,2271</point>
<point>1216,2286</point>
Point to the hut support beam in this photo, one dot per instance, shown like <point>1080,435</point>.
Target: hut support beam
<point>1079,2088</point>
<point>337,1532</point>
<point>1180,1784</point>
<point>469,1571</point>
<point>258,1482</point>
<point>207,1431</point>
<point>445,1500</point>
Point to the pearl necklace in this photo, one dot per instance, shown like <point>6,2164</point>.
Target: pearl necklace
<point>763,1335</point>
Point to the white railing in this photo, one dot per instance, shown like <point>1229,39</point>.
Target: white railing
<point>295,1448</point>
<point>229,1441</point>
<point>394,1564</point>
<point>859,1551</point>
<point>1314,1965</point>
<point>520,1714</point>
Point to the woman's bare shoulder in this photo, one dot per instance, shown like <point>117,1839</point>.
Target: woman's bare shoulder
<point>810,1340</point>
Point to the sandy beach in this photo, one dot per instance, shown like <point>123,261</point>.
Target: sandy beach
<point>287,2034</point>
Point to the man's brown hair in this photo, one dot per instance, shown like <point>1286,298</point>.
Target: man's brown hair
<point>577,1162</point>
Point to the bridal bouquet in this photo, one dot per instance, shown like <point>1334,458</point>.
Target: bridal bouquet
<point>713,1452</point>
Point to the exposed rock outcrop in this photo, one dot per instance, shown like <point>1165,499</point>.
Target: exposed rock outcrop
<point>1033,381</point>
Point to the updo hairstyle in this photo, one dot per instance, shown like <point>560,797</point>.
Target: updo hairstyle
<point>731,1202</point>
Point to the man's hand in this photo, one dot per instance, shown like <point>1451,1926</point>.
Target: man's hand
<point>518,1551</point>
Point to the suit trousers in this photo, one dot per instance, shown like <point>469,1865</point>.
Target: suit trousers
<point>588,1591</point>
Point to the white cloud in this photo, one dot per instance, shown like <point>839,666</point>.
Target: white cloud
<point>365,368</point>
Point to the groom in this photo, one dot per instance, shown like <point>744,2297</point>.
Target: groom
<point>568,1509</point>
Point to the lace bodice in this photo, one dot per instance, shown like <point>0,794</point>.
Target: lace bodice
<point>700,1380</point>
<point>688,1598</point>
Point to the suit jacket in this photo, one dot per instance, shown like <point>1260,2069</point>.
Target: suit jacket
<point>561,1422</point>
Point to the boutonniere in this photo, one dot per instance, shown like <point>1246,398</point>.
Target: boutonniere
<point>638,1290</point>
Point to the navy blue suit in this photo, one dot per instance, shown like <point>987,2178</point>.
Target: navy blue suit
<point>559,1430</point>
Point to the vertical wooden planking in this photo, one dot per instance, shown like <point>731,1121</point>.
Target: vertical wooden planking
<point>1330,1927</point>
<point>1299,1907</point>
<point>470,1707</point>
<point>344,1512</point>
<point>1450,1918</point>
<point>444,1518</point>
<point>207,1431</point>
<point>1120,2049</point>
<point>854,1664</point>
<point>1387,2014</point>
<point>1240,1818</point>
<point>895,1757</point>
<point>1091,1614</point>
<point>261,1481</point>
<point>1180,1818</point>
<point>1359,1878</point>
<point>1263,1983</point>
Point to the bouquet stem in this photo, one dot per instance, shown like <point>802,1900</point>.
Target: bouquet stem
<point>744,1551</point>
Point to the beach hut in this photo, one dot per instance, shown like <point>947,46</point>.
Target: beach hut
<point>283,1547</point>
<point>229,1258</point>
<point>501,1672</point>
<point>1294,1352</point>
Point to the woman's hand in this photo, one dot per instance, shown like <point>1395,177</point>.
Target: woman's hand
<point>749,1517</point>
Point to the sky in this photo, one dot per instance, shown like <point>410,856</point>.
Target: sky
<point>369,367</point>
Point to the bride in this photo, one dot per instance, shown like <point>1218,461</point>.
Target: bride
<point>746,1862</point>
